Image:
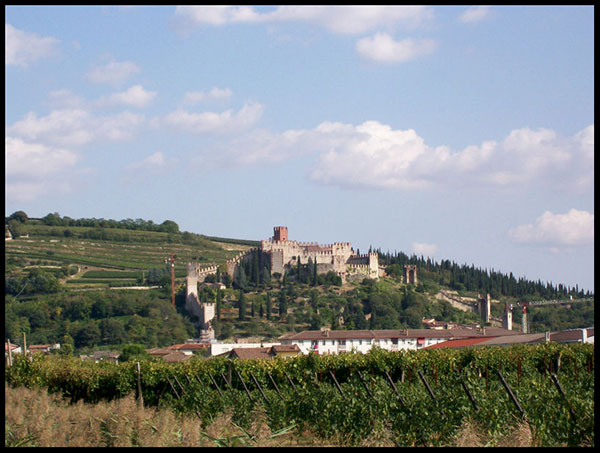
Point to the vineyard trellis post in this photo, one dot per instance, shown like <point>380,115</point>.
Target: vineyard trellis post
<point>244,384</point>
<point>364,383</point>
<point>289,379</point>
<point>464,385</point>
<point>336,383</point>
<point>274,385</point>
<point>510,393</point>
<point>140,398</point>
<point>259,387</point>
<point>562,392</point>
<point>429,389</point>
<point>214,383</point>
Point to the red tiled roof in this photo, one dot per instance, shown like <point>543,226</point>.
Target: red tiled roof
<point>397,333</point>
<point>176,356</point>
<point>188,346</point>
<point>250,353</point>
<point>285,348</point>
<point>570,335</point>
<point>460,343</point>
<point>38,346</point>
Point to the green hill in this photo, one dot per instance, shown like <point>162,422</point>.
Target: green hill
<point>61,277</point>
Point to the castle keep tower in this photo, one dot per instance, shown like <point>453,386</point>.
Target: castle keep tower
<point>280,233</point>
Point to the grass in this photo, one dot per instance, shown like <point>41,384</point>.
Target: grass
<point>144,250</point>
<point>35,418</point>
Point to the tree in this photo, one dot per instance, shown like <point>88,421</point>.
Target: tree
<point>52,219</point>
<point>269,306</point>
<point>131,352</point>
<point>261,311</point>
<point>15,227</point>
<point>219,303</point>
<point>19,216</point>
<point>282,304</point>
<point>168,226</point>
<point>242,306</point>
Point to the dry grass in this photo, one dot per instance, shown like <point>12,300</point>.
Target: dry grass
<point>36,418</point>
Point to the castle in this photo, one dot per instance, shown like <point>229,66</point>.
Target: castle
<point>283,254</point>
<point>338,257</point>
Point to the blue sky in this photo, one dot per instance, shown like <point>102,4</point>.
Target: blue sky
<point>461,133</point>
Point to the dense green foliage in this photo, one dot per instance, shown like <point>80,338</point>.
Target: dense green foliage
<point>96,318</point>
<point>50,262</point>
<point>469,278</point>
<point>316,403</point>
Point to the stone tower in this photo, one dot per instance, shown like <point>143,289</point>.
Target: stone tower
<point>280,233</point>
<point>507,318</point>
<point>410,274</point>
<point>485,307</point>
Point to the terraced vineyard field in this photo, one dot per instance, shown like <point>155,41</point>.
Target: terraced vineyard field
<point>121,254</point>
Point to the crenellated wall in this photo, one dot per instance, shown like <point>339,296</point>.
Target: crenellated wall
<point>328,257</point>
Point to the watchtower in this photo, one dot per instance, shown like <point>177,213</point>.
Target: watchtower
<point>484,305</point>
<point>280,233</point>
<point>410,274</point>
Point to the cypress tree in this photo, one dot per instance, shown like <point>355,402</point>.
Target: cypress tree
<point>219,302</point>
<point>261,311</point>
<point>242,306</point>
<point>269,306</point>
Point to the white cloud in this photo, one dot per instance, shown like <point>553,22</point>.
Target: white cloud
<point>154,162</point>
<point>65,99</point>
<point>337,19</point>
<point>34,168</point>
<point>383,48</point>
<point>73,127</point>
<point>193,97</point>
<point>379,157</point>
<point>136,96</point>
<point>22,48</point>
<point>227,122</point>
<point>113,73</point>
<point>474,14</point>
<point>422,248</point>
<point>570,229</point>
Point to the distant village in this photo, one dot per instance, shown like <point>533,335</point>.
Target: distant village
<point>341,259</point>
<point>326,341</point>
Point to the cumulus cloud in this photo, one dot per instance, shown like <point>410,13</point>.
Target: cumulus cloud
<point>193,97</point>
<point>65,99</point>
<point>113,72</point>
<point>33,168</point>
<point>382,47</point>
<point>474,14</point>
<point>337,19</point>
<point>136,96</point>
<point>22,48</point>
<point>74,127</point>
<point>570,229</point>
<point>379,157</point>
<point>375,156</point>
<point>227,122</point>
<point>422,248</point>
<point>156,161</point>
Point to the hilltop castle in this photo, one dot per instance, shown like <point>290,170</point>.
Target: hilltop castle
<point>338,257</point>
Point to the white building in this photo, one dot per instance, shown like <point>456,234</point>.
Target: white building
<point>337,341</point>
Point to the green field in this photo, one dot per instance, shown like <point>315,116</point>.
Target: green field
<point>114,250</point>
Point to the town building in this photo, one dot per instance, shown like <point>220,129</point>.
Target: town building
<point>336,341</point>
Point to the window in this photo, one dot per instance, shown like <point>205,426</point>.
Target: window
<point>394,341</point>
<point>342,343</point>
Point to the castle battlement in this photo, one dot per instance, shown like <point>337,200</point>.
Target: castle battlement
<point>330,257</point>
